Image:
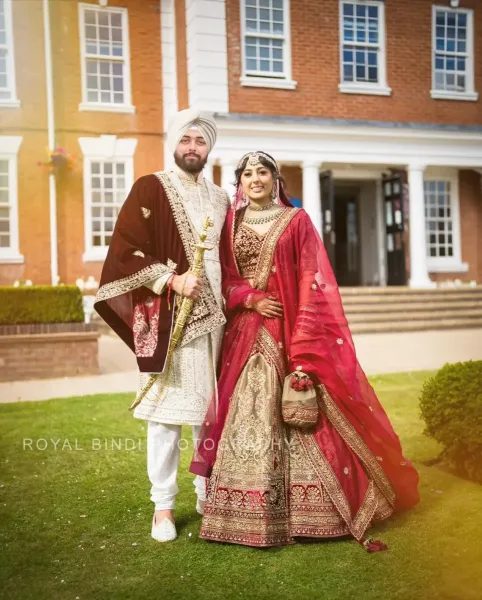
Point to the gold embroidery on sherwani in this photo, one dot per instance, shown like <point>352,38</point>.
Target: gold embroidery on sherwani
<point>207,314</point>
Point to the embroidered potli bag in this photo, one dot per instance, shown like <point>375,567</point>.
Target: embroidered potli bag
<point>299,404</point>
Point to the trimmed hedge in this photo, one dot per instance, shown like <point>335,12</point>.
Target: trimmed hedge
<point>451,406</point>
<point>40,304</point>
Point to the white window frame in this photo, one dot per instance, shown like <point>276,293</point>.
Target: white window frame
<point>282,80</point>
<point>470,94</point>
<point>352,87</point>
<point>13,101</point>
<point>106,148</point>
<point>85,105</point>
<point>9,147</point>
<point>448,264</point>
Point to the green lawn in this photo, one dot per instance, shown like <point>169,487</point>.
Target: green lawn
<point>75,523</point>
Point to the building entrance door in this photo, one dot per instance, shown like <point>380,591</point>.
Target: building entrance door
<point>341,230</point>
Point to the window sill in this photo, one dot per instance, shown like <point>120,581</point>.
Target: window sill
<point>95,255</point>
<point>375,90</point>
<point>116,108</point>
<point>442,95</point>
<point>267,82</point>
<point>9,103</point>
<point>11,259</point>
<point>447,267</point>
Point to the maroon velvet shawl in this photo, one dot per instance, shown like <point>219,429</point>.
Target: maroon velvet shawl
<point>145,239</point>
<point>318,339</point>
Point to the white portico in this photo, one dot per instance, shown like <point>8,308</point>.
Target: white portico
<point>357,156</point>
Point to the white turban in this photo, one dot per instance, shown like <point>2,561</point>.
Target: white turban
<point>191,119</point>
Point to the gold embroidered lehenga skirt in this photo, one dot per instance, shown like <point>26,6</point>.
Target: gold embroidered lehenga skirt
<point>271,482</point>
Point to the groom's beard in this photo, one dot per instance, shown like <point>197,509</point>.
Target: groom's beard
<point>190,162</point>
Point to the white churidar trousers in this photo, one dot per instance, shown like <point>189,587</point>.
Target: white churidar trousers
<point>163,453</point>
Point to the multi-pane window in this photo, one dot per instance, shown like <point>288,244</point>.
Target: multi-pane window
<point>105,55</point>
<point>5,207</point>
<point>362,30</point>
<point>7,77</point>
<point>265,37</point>
<point>108,191</point>
<point>452,47</point>
<point>439,221</point>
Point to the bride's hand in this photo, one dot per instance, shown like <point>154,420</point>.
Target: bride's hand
<point>268,307</point>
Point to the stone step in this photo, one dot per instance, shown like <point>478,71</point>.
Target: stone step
<point>404,290</point>
<point>371,299</point>
<point>402,326</point>
<point>409,307</point>
<point>401,317</point>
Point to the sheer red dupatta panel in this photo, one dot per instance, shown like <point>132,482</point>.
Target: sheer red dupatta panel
<point>321,343</point>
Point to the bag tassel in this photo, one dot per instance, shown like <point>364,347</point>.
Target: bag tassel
<point>372,545</point>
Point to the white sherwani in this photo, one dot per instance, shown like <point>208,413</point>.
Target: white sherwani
<point>192,381</point>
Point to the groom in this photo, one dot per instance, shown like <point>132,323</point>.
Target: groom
<point>145,273</point>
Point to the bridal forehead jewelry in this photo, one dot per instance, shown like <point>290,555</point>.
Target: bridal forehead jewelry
<point>254,160</point>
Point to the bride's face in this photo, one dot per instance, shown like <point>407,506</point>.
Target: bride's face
<point>257,183</point>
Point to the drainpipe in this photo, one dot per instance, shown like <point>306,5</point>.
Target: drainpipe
<point>54,262</point>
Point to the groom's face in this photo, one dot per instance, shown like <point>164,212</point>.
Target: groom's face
<point>191,152</point>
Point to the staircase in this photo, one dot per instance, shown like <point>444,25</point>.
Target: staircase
<point>378,310</point>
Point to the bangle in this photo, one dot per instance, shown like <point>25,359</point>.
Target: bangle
<point>183,285</point>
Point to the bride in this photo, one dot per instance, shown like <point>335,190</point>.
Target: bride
<point>296,443</point>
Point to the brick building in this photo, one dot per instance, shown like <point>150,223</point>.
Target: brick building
<point>371,107</point>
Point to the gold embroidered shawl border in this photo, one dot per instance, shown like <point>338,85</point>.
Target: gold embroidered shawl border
<point>132,282</point>
<point>206,315</point>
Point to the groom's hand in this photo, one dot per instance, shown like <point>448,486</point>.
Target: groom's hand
<point>268,307</point>
<point>187,285</point>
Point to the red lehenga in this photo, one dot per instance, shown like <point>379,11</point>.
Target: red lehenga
<point>270,483</point>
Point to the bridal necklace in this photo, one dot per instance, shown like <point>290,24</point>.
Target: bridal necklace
<point>270,206</point>
<point>271,216</point>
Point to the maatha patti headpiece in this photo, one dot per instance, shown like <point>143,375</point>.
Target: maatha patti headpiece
<point>254,160</point>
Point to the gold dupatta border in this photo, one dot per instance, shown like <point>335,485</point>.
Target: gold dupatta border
<point>265,261</point>
<point>360,523</point>
<point>357,444</point>
<point>267,344</point>
<point>206,315</point>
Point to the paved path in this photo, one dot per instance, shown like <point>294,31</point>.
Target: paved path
<point>377,352</point>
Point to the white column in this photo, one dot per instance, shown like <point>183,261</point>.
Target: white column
<point>54,259</point>
<point>418,248</point>
<point>207,55</point>
<point>169,70</point>
<point>228,178</point>
<point>311,192</point>
<point>208,171</point>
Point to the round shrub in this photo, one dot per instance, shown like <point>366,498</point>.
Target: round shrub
<point>451,406</point>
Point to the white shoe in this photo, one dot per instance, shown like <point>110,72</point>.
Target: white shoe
<point>165,531</point>
<point>200,506</point>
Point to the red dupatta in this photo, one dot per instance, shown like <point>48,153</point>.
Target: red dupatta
<point>319,340</point>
